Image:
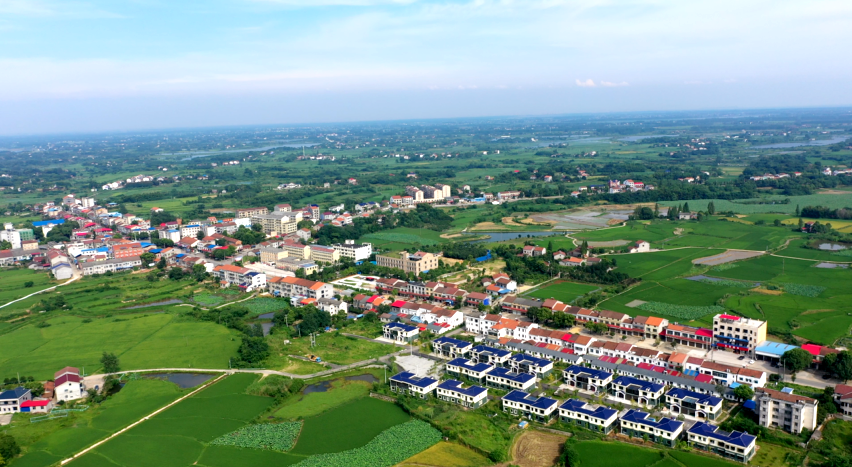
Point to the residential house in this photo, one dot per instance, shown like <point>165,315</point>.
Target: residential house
<point>735,445</point>
<point>533,250</point>
<point>407,383</point>
<point>332,306</point>
<point>684,402</point>
<point>68,384</point>
<point>504,378</point>
<point>640,246</point>
<point>640,424</point>
<point>524,363</point>
<point>109,265</point>
<point>540,409</point>
<point>588,379</point>
<point>787,411</point>
<point>295,287</point>
<point>490,355</point>
<point>37,406</point>
<point>11,400</point>
<point>637,390</point>
<point>454,391</point>
<point>244,278</point>
<point>843,399</point>
<point>595,418</point>
<point>515,304</point>
<point>463,367</point>
<point>400,333</point>
<point>448,347</point>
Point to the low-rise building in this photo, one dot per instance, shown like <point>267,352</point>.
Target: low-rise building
<point>68,384</point>
<point>504,378</point>
<point>271,255</point>
<point>109,265</point>
<point>463,367</point>
<point>843,399</point>
<point>588,379</point>
<point>637,390</point>
<point>296,264</point>
<point>596,418</point>
<point>490,355</point>
<point>454,391</point>
<point>11,400</point>
<point>736,445</point>
<point>524,363</point>
<point>786,411</point>
<point>400,333</point>
<point>407,383</point>
<point>332,306</point>
<point>411,263</point>
<point>354,251</point>
<point>682,402</point>
<point>540,409</point>
<point>295,287</point>
<point>447,347</point>
<point>244,278</point>
<point>639,424</point>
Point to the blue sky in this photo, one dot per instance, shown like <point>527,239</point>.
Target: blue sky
<point>121,65</point>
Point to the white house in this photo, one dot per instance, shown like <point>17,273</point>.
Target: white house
<point>11,400</point>
<point>69,385</point>
<point>640,246</point>
<point>332,306</point>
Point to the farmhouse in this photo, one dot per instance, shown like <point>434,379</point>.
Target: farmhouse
<point>400,333</point>
<point>39,406</point>
<point>523,363</point>
<point>465,368</point>
<point>735,445</point>
<point>639,424</point>
<point>515,304</point>
<point>11,400</point>
<point>68,385</point>
<point>332,306</point>
<point>407,383</point>
<point>453,391</point>
<point>637,390</point>
<point>490,355</point>
<point>640,246</point>
<point>537,408</point>
<point>596,418</point>
<point>843,399</point>
<point>243,278</point>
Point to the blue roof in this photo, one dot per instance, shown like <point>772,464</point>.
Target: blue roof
<point>476,367</point>
<point>145,244</point>
<point>644,385</point>
<point>537,402</point>
<point>711,431</point>
<point>665,424</point>
<point>691,372</point>
<point>409,378</point>
<point>583,408</point>
<point>577,369</point>
<point>13,393</point>
<point>52,221</point>
<point>490,350</point>
<point>511,375</point>
<point>522,357</point>
<point>401,326</point>
<point>456,386</point>
<point>700,398</point>
<point>774,348</point>
<point>156,250</point>
<point>459,344</point>
<point>750,404</point>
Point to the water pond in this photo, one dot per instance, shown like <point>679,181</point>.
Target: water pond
<point>502,236</point>
<point>173,301</point>
<point>832,246</point>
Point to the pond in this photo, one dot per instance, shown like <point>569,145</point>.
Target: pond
<point>194,154</point>
<point>183,380</point>
<point>832,246</point>
<point>365,377</point>
<point>502,236</point>
<point>322,386</point>
<point>820,142</point>
<point>173,301</point>
<point>266,316</point>
<point>266,328</point>
<point>640,138</point>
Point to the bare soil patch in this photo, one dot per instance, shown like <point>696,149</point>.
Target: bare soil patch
<point>763,291</point>
<point>813,312</point>
<point>452,260</point>
<point>635,303</point>
<point>726,257</point>
<point>833,192</point>
<point>537,449</point>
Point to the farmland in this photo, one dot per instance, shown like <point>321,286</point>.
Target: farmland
<point>446,454</point>
<point>564,291</point>
<point>12,283</point>
<point>626,455</point>
<point>402,238</point>
<point>140,341</point>
<point>331,347</point>
<point>338,391</point>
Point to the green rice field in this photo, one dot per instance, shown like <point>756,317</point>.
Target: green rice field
<point>627,455</point>
<point>564,291</point>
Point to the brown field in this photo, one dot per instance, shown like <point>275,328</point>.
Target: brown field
<point>765,291</point>
<point>537,449</point>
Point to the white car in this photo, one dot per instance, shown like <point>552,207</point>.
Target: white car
<point>751,362</point>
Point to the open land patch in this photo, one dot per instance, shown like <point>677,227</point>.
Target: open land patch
<point>537,449</point>
<point>726,257</point>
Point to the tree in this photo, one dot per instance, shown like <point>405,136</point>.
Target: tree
<point>147,258</point>
<point>843,366</point>
<point>9,448</point>
<point>28,284</point>
<point>176,274</point>
<point>5,245</point>
<point>161,264</point>
<point>798,212</point>
<point>744,392</point>
<point>685,207</point>
<point>796,360</point>
<point>110,363</point>
<point>569,456</point>
<point>711,208</point>
<point>200,235</point>
<point>199,272</point>
<point>254,349</point>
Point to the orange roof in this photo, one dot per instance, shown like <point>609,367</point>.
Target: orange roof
<point>654,321</point>
<point>231,268</point>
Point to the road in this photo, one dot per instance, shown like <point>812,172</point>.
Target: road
<point>76,275</point>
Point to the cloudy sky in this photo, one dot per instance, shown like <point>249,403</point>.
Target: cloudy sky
<point>121,65</point>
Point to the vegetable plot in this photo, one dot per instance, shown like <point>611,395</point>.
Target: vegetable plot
<point>272,436</point>
<point>391,447</point>
<point>811,291</point>
<point>681,311</point>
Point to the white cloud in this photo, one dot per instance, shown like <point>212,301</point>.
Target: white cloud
<point>609,84</point>
<point>585,84</point>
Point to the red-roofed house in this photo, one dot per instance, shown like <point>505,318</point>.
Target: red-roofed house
<point>39,406</point>
<point>68,385</point>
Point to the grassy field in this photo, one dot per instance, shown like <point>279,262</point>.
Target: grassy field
<point>403,238</point>
<point>140,341</point>
<point>564,291</point>
<point>627,455</point>
<point>446,454</point>
<point>330,347</point>
<point>48,442</point>
<point>12,283</point>
<point>340,391</point>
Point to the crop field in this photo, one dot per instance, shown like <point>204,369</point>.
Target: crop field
<point>273,436</point>
<point>402,238</point>
<point>662,264</point>
<point>12,283</point>
<point>140,341</point>
<point>564,291</point>
<point>831,201</point>
<point>208,299</point>
<point>446,454</point>
<point>633,231</point>
<point>626,455</point>
<point>680,312</point>
<point>263,305</point>
<point>48,442</point>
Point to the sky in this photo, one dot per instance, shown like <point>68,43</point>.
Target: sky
<point>80,66</point>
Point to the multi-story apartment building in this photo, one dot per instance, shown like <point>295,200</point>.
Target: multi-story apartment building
<point>408,262</point>
<point>127,250</point>
<point>596,418</point>
<point>354,251</point>
<point>737,333</point>
<point>789,412</point>
<point>537,408</point>
<point>695,404</point>
<point>109,265</point>
<point>249,212</point>
<point>277,223</point>
<point>688,335</point>
<point>295,287</point>
<point>324,254</point>
<point>640,424</point>
<point>735,445</point>
<point>454,391</point>
<point>589,379</point>
<point>243,278</point>
<point>296,250</point>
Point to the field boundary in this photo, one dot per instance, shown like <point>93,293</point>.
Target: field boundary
<point>128,427</point>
